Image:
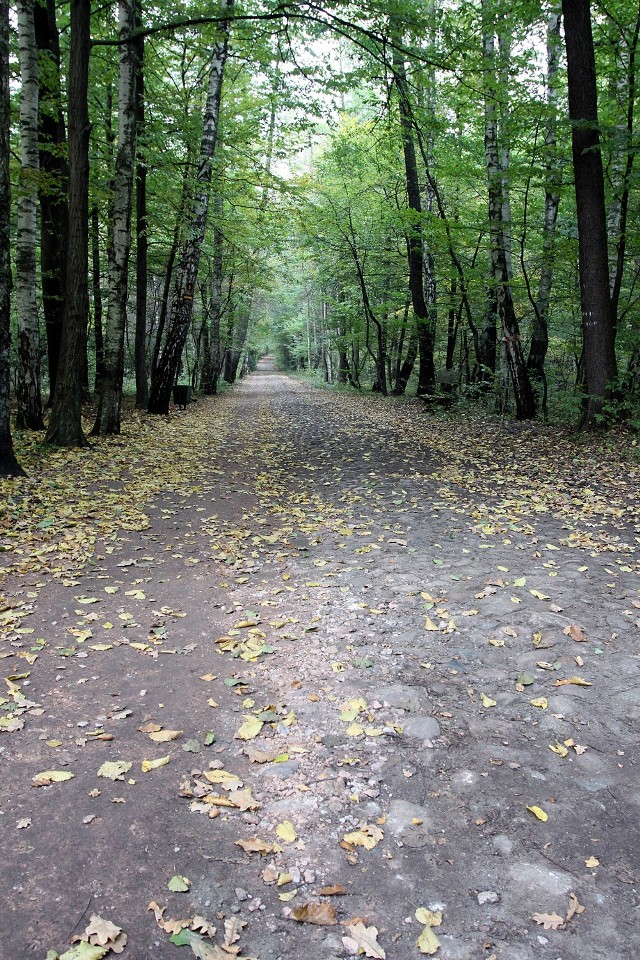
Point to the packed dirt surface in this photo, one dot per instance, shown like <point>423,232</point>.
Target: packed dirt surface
<point>328,674</point>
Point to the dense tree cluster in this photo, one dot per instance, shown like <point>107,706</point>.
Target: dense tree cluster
<point>384,191</point>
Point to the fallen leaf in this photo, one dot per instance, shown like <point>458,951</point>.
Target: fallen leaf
<point>576,633</point>
<point>592,862</point>
<point>365,939</point>
<point>487,701</point>
<point>148,765</point>
<point>51,776</point>
<point>100,932</point>
<point>540,702</point>
<point>575,907</point>
<point>539,813</point>
<point>249,729</point>
<point>368,836</point>
<point>164,736</point>
<point>179,884</point>
<point>318,912</point>
<point>576,681</point>
<point>335,890</point>
<point>286,831</point>
<point>255,845</point>
<point>550,921</point>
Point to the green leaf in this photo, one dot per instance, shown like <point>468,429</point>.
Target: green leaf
<point>179,884</point>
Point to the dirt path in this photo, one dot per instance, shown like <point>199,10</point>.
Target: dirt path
<point>370,651</point>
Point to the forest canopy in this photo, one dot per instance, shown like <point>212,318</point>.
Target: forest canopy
<point>426,198</point>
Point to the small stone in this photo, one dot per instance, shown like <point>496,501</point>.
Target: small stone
<point>488,896</point>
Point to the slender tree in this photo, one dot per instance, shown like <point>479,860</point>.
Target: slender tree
<point>65,425</point>
<point>8,464</point>
<point>187,274</point>
<point>597,320</point>
<point>110,399</point>
<point>28,392</point>
<point>52,183</point>
<point>142,240</point>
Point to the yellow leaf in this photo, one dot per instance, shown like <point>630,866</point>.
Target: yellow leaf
<point>592,862</point>
<point>148,765</point>
<point>51,776</point>
<point>286,831</point>
<point>355,730</point>
<point>249,729</point>
<point>368,837</point>
<point>538,595</point>
<point>87,600</point>
<point>285,897</point>
<point>430,625</point>
<point>428,943</point>
<point>539,813</point>
<point>164,736</point>
<point>487,701</point>
<point>541,702</point>
<point>520,582</point>
<point>576,681</point>
<point>559,749</point>
<point>496,642</point>
<point>432,918</point>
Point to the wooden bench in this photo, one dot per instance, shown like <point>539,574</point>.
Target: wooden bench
<point>447,390</point>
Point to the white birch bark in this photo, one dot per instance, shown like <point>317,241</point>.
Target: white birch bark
<point>110,400</point>
<point>29,399</point>
<point>187,273</point>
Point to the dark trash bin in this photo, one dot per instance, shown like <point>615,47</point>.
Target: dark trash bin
<point>182,395</point>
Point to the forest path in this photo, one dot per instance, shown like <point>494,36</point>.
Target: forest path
<point>370,611</point>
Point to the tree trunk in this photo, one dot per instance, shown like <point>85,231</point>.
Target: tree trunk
<point>213,361</point>
<point>53,184</point>
<point>110,399</point>
<point>415,246</point>
<point>96,288</point>
<point>234,353</point>
<point>597,320</point>
<point>553,181</point>
<point>142,240</point>
<point>9,466</point>
<point>499,238</point>
<point>620,207</point>
<point>65,425</point>
<point>29,414</point>
<point>182,304</point>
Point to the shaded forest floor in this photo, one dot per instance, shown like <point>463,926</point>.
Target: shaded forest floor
<point>326,674</point>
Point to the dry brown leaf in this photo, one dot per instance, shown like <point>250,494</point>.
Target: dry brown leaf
<point>233,927</point>
<point>322,914</point>
<point>576,633</point>
<point>150,728</point>
<point>202,925</point>
<point>550,921</point>
<point>575,907</point>
<point>255,845</point>
<point>100,932</point>
<point>335,890</point>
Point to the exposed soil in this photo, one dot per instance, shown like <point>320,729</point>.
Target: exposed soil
<point>410,612</point>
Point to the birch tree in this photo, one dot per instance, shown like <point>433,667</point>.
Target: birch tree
<point>187,273</point>
<point>499,227</point>
<point>8,464</point>
<point>119,248</point>
<point>29,413</point>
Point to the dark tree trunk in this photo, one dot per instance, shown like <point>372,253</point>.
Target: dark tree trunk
<point>9,466</point>
<point>53,185</point>
<point>213,357</point>
<point>406,368</point>
<point>597,319</point>
<point>65,425</point>
<point>142,382</point>
<point>425,324</point>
